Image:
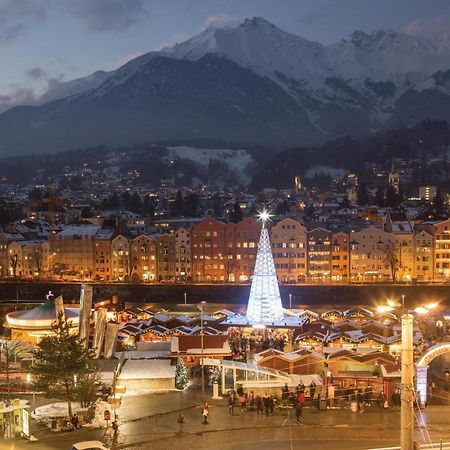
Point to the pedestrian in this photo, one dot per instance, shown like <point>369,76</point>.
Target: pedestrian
<point>181,421</point>
<point>298,411</point>
<point>360,400</point>
<point>368,395</point>
<point>266,403</point>
<point>271,405</point>
<point>243,402</point>
<point>312,390</point>
<point>205,414</point>
<point>301,398</point>
<point>381,400</point>
<point>75,421</point>
<point>231,405</point>
<point>259,405</point>
<point>251,401</point>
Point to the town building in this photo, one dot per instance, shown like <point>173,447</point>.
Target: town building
<point>165,257</point>
<point>319,255</point>
<point>289,248</point>
<point>340,257</point>
<point>183,271</point>
<point>143,258</point>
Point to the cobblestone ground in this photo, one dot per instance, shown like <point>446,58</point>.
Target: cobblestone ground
<point>269,438</point>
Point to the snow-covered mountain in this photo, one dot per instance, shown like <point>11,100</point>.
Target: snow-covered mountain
<point>263,85</point>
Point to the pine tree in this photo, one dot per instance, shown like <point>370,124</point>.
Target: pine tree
<point>379,196</point>
<point>181,375</point>
<point>177,207</point>
<point>62,365</point>
<point>236,214</point>
<point>362,195</point>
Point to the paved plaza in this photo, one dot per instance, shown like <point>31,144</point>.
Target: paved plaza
<point>150,422</point>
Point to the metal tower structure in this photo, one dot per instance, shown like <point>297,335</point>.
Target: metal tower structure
<point>264,304</point>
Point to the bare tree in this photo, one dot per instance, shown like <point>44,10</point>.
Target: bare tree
<point>14,259</point>
<point>11,352</point>
<point>391,259</point>
<point>38,256</point>
<point>229,265</point>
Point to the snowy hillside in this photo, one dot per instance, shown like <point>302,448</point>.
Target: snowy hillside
<point>236,160</point>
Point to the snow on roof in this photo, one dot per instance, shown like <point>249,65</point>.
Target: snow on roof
<point>147,369</point>
<point>89,230</point>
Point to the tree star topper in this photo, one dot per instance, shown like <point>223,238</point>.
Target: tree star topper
<point>264,215</point>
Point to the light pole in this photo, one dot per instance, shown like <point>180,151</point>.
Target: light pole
<point>290,301</point>
<point>407,387</point>
<point>201,307</point>
<point>407,369</point>
<point>185,298</point>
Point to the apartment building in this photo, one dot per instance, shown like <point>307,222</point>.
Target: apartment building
<point>165,257</point>
<point>183,270</point>
<point>102,250</point>
<point>121,267</point>
<point>289,248</point>
<point>246,238</point>
<point>143,258</point>
<point>74,251</point>
<point>423,256</point>
<point>370,252</point>
<point>403,238</point>
<point>340,257</point>
<point>319,255</point>
<point>213,258</point>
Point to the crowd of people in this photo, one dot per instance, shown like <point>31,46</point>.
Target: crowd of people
<point>241,344</point>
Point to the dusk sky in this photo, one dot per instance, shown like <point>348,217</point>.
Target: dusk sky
<point>43,42</point>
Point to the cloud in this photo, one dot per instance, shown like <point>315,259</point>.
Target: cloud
<point>434,27</point>
<point>36,73</point>
<point>45,88</point>
<point>108,15</point>
<point>220,20</point>
<point>16,16</point>
<point>17,95</point>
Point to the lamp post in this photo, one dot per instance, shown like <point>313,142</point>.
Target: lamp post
<point>407,370</point>
<point>407,387</point>
<point>185,298</point>
<point>290,301</point>
<point>201,307</point>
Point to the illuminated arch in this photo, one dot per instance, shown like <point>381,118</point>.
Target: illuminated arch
<point>433,352</point>
<point>422,368</point>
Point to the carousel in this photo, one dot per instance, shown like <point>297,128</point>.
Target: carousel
<point>32,325</point>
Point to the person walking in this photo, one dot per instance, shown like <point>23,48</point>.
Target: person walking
<point>360,400</point>
<point>231,405</point>
<point>205,414</point>
<point>381,400</point>
<point>266,403</point>
<point>259,405</point>
<point>312,390</point>
<point>298,411</point>
<point>271,405</point>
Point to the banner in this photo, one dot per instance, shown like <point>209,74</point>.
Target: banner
<point>99,331</point>
<point>110,339</point>
<point>85,313</point>
<point>59,307</point>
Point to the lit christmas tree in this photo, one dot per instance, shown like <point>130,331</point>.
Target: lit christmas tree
<point>181,375</point>
<point>264,303</point>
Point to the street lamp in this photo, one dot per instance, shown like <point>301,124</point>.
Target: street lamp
<point>201,307</point>
<point>407,370</point>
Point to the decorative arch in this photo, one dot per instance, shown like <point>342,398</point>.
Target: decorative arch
<point>422,368</point>
<point>433,352</point>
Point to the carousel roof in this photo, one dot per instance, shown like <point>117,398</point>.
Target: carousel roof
<point>41,316</point>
